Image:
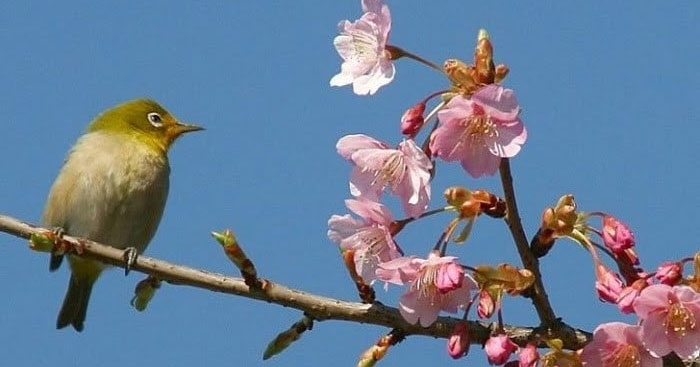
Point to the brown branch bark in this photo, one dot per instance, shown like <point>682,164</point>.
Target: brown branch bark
<point>318,307</point>
<point>538,295</point>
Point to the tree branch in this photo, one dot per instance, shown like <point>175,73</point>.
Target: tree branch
<point>316,306</point>
<point>530,262</point>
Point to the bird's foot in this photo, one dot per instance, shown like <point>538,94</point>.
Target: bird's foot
<point>57,233</point>
<point>130,255</point>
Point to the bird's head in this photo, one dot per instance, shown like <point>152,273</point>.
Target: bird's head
<point>145,120</point>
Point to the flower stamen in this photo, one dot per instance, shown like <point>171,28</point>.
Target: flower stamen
<point>679,320</point>
<point>624,356</point>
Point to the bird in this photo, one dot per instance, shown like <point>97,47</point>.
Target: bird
<point>111,189</point>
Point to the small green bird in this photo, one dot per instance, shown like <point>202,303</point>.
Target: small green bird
<point>112,189</point>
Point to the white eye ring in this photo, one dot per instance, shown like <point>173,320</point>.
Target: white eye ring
<point>155,119</point>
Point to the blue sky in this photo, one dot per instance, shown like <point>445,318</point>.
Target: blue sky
<point>609,96</point>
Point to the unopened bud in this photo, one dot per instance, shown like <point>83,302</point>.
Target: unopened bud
<point>486,306</point>
<point>461,75</point>
<point>458,343</point>
<point>144,292</point>
<point>608,284</point>
<point>41,242</point>
<point>456,195</point>
<point>287,337</point>
<point>669,273</point>
<point>501,73</point>
<point>528,356</point>
<point>617,236</point>
<point>498,349</point>
<point>412,120</point>
<point>556,222</point>
<point>235,253</point>
<point>483,59</point>
<point>376,352</point>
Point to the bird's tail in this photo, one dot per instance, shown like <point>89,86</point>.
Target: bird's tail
<point>76,302</point>
<point>55,262</point>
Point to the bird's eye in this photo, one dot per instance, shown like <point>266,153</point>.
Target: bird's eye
<point>155,119</point>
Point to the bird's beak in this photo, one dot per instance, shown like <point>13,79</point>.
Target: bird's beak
<point>180,128</point>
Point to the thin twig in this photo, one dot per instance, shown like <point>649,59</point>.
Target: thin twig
<point>318,307</point>
<point>530,262</point>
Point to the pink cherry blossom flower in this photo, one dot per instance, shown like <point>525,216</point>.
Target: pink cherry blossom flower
<point>617,236</point>
<point>607,284</point>
<point>669,273</point>
<point>528,356</point>
<point>670,320</point>
<point>370,237</point>
<point>480,131</point>
<point>498,349</point>
<point>616,344</point>
<point>458,343</point>
<point>425,296</point>
<point>405,171</point>
<point>362,45</point>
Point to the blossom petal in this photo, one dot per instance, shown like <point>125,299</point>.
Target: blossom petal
<point>687,295</point>
<point>458,298</point>
<point>458,108</point>
<point>479,162</point>
<point>362,185</point>
<point>370,210</point>
<point>380,75</point>
<point>650,361</point>
<point>341,227</point>
<point>498,102</point>
<point>413,308</point>
<point>653,334</point>
<point>509,140</point>
<point>651,298</point>
<point>406,191</point>
<point>349,144</point>
<point>446,142</point>
<point>416,156</point>
<point>688,345</point>
<point>398,271</point>
<point>372,158</point>
<point>383,15</point>
<point>407,307</point>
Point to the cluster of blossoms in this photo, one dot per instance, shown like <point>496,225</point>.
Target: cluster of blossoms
<point>478,125</point>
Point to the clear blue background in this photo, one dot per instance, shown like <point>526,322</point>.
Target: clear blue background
<point>609,93</point>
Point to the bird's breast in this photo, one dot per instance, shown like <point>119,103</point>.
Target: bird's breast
<point>111,189</point>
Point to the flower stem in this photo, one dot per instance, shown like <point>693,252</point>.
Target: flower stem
<point>399,51</point>
<point>426,214</point>
<point>431,96</point>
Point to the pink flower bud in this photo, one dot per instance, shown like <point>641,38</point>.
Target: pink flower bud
<point>608,284</point>
<point>486,306</point>
<point>625,300</point>
<point>528,356</point>
<point>449,277</point>
<point>412,120</point>
<point>617,236</point>
<point>498,349</point>
<point>458,343</point>
<point>669,273</point>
